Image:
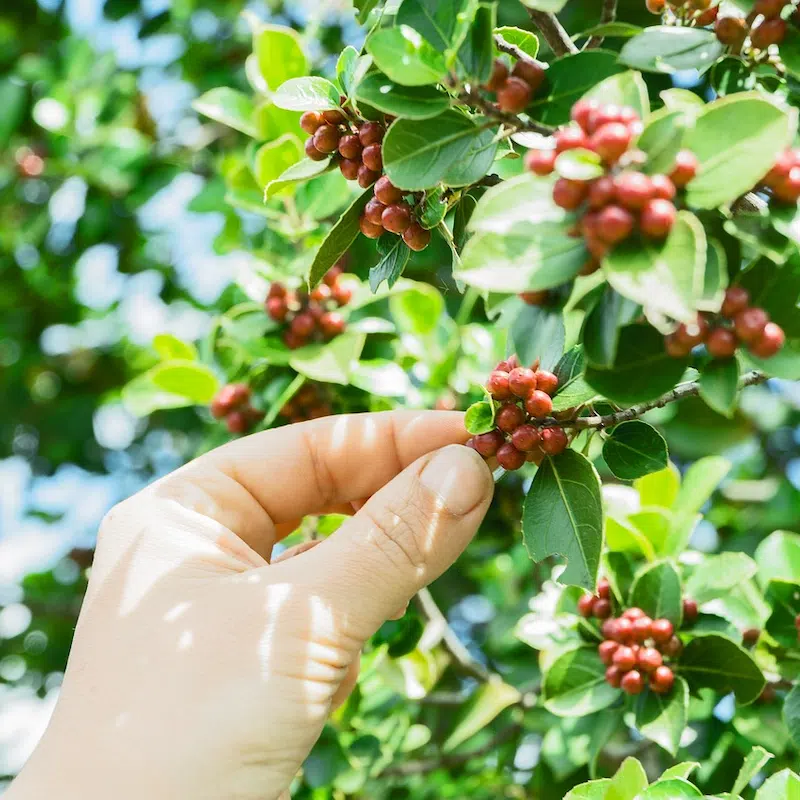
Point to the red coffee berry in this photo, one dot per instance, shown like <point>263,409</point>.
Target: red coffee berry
<point>770,31</point>
<point>342,293</point>
<point>497,385</point>
<point>721,343</point>
<point>613,676</point>
<point>602,608</point>
<point>371,133</point>
<point>601,192</point>
<point>540,162</point>
<point>673,647</point>
<point>783,165</point>
<point>569,194</point>
<point>276,308</point>
<point>350,146</point>
<point>788,190</point>
<point>396,218</point>
<point>624,630</point>
<point>632,682</point>
<point>633,613</point>
<point>731,31</point>
<point>538,404</point>
<point>641,629</point>
<point>546,381</point>
<point>661,680</point>
<point>514,95</point>
<point>655,6</point>
<point>487,444</point>
<point>610,141</point>
<point>276,289</point>
<point>498,76</point>
<point>685,168</point>
<point>237,422</point>
<point>509,458</point>
<point>649,659</point>
<point>366,176</point>
<point>661,630</point>
<point>769,8</point>
<point>372,156</point>
<point>332,324</point>
<point>349,168</point>
<point>658,217</point>
<point>554,441</point>
<point>676,348</point>
<point>625,658</point>
<point>750,636</point>
<point>597,248</point>
<point>614,223</point>
<point>386,192</point>
<point>310,121</point>
<point>531,72</point>
<point>332,275</point>
<point>582,111</point>
<point>370,229</point>
<point>663,187</point>
<point>771,341</point>
<point>373,210</point>
<point>521,381</point>
<point>569,138</point>
<point>535,298</point>
<point>303,324</point>
<point>750,323</point>
<point>603,589</point>
<point>692,335</point>
<point>586,605</point>
<point>633,190</point>
<point>509,417</point>
<point>606,651</point>
<point>334,117</point>
<point>416,237</point>
<point>604,115</point>
<point>690,610</point>
<point>708,17</point>
<point>312,152</point>
<point>736,299</point>
<point>326,138</point>
<point>526,438</point>
<point>609,629</point>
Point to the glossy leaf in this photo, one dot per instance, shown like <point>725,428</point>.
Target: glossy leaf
<point>230,107</point>
<point>307,94</point>
<point>663,717</point>
<point>333,362</point>
<point>671,49</point>
<point>405,57</point>
<point>575,684</point>
<point>538,334</point>
<point>634,449</point>
<point>409,102</point>
<point>657,591</point>
<point>479,417</point>
<point>490,699</point>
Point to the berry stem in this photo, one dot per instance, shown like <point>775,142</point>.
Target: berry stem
<point>608,13</point>
<point>473,98</point>
<point>553,31</point>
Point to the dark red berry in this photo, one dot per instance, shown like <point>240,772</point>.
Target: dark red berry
<point>601,192</point>
<point>498,76</point>
<point>632,682</point>
<point>610,141</point>
<point>770,31</point>
<point>546,381</point>
<point>497,385</point>
<point>366,176</point>
<point>326,139</point>
<point>625,658</point>
<point>312,152</point>
<point>769,8</point>
<point>370,229</point>
<point>633,613</point>
<point>332,275</point>
<point>582,111</point>
<point>540,162</point>
<point>417,237</point>
<point>569,194</point>
<point>685,168</point>
<point>771,341</point>
<point>396,218</point>
<point>276,308</point>
<point>371,133</point>
<point>342,293</point>
<point>721,343</point>
<point>613,676</point>
<point>614,224</point>
<point>788,190</point>
<point>237,422</point>
<point>661,630</point>
<point>508,457</point>
<point>526,438</point>
<point>692,335</point>
<point>633,190</point>
<point>538,404</point>
<point>663,187</point>
<point>736,299</point>
<point>597,248</point>
<point>310,121</point>
<point>350,146</point>
<point>657,218</point>
<point>521,381</point>
<point>750,324</point>
<point>334,117</point>
<point>655,6</point>
<point>604,589</point>
<point>569,138</point>
<point>514,95</point>
<point>509,417</point>
<point>554,441</point>
<point>386,192</point>
<point>487,444</point>
<point>372,157</point>
<point>649,659</point>
<point>373,210</point>
<point>676,348</point>
<point>303,324</point>
<point>586,605</point>
<point>641,629</point>
<point>750,636</point>
<point>624,630</point>
<point>673,647</point>
<point>332,324</point>
<point>349,168</point>
<point>609,629</point>
<point>531,72</point>
<point>690,610</point>
<point>535,298</point>
<point>602,608</point>
<point>661,680</point>
<point>606,651</point>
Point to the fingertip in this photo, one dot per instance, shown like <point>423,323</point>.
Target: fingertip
<point>460,479</point>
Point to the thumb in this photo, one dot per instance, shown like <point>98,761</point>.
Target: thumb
<point>404,537</point>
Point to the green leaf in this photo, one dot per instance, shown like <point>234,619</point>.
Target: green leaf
<point>405,57</point>
<point>418,309</point>
<point>628,782</point>
<point>784,785</point>
<point>568,79</point>
<point>418,153</point>
<point>563,515</point>
<point>682,770</point>
<point>475,55</point>
<point>338,240</point>
<point>715,662</point>
<point>666,278</point>
<point>394,257</point>
<point>672,49</point>
<point>642,370</point>
<point>602,326</point>
<point>591,790</point>
<point>479,417</point>
<point>754,762</point>
<point>783,597</point>
<point>297,173</point>
<point>717,575</point>
<point>778,557</point>
<point>657,591</point>
<point>333,362</point>
<point>575,684</point>
<point>736,140</point>
<point>538,333</point>
<point>13,101</point>
<point>551,6</point>
<point>346,66</point>
<point>791,713</point>
<point>273,159</point>
<point>380,377</point>
<point>188,379</point>
<point>572,388</point>
<point>526,41</point>
<point>659,489</point>
<point>715,281</point>
<point>434,209</point>
<point>230,107</point>
<point>719,385</point>
<point>363,9</point>
<point>307,94</point>
<point>620,30</point>
<point>475,163</point>
<point>408,102</point>
<point>683,100</point>
<point>280,57</point>
<point>661,140</point>
<point>663,717</point>
<point>483,706</point>
<point>634,449</point>
<point>435,20</point>
<point>142,397</point>
<point>579,165</point>
<point>623,89</point>
<point>171,347</point>
<point>274,122</point>
<point>674,789</point>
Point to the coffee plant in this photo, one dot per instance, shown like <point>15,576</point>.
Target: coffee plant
<point>576,222</point>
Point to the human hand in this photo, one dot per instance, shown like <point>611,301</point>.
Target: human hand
<point>201,670</point>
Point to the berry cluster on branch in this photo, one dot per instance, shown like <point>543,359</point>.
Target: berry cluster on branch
<point>524,395</point>
<point>783,180</point>
<point>515,89</point>
<point>312,401</point>
<point>737,324</point>
<point>310,317</point>
<point>232,403</point>
<point>764,26</point>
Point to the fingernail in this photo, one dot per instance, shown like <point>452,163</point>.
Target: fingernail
<point>459,477</point>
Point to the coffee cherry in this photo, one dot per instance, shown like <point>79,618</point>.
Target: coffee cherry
<point>569,194</point>
<point>655,6</point>
<point>509,417</point>
<point>690,610</point>
<point>658,217</point>
<point>597,248</point>
<point>721,343</point>
<point>312,152</point>
<point>487,444</point>
<point>641,629</point>
<point>237,422</point>
<point>371,133</point>
<point>610,141</point>
<point>416,237</point>
<point>521,381</point>
<point>624,630</point>
<point>730,31</point>
<point>784,163</point>
<point>554,441</point>
<point>586,605</point>
<point>540,162</point>
<point>535,298</point>
<point>498,76</point>
<point>601,192</point>
<point>276,308</point>
<point>350,146</point>
<point>649,659</point>
<point>750,324</point>
<point>769,8</point>
<point>322,410</point>
<point>349,168</point>
<point>514,95</point>
<point>661,630</point>
<point>386,192</point>
<point>685,168</point>
<point>342,293</point>
<point>582,111</point>
<point>661,680</point>
<point>603,589</point>
<point>334,117</point>
<point>509,458</point>
<point>602,608</point>
<point>526,438</point>
<point>614,224</point>
<point>276,289</point>
<point>372,157</point>
<point>624,658</point>
<point>708,17</point>
<point>332,324</point>
<point>676,348</point>
<point>606,651</point>
<point>609,629</point>
<point>326,138</point>
<point>673,647</point>
<point>332,275</point>
<point>569,138</point>
<point>497,385</point>
<point>770,31</point>
<point>633,190</point>
<point>303,324</point>
<point>373,210</point>
<point>396,218</point>
<point>771,341</point>
<point>632,682</point>
<point>692,335</point>
<point>310,121</point>
<point>538,404</point>
<point>633,613</point>
<point>663,187</point>
<point>736,299</point>
<point>750,636</point>
<point>366,176</point>
<point>788,190</point>
<point>546,382</point>
<point>370,229</point>
<point>531,72</point>
<point>613,676</point>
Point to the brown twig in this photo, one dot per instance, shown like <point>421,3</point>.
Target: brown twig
<point>553,31</point>
<point>608,14</point>
<point>511,49</point>
<point>473,98</point>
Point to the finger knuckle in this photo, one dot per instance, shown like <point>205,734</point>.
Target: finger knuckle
<point>398,532</point>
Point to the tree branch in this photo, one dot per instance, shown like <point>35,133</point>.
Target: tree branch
<point>553,31</point>
<point>680,392</point>
<point>474,98</point>
<point>607,14</point>
<point>511,49</point>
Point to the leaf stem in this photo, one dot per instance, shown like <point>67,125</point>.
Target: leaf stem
<point>608,14</point>
<point>553,31</point>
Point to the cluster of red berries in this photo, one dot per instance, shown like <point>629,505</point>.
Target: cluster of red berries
<point>783,180</point>
<point>623,199</point>
<point>697,13</point>
<point>232,403</point>
<point>515,89</point>
<point>525,398</point>
<point>310,402</point>
<point>738,323</point>
<point>310,316</point>
<point>764,25</point>
<point>388,211</point>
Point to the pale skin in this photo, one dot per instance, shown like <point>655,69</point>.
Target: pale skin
<point>204,668</point>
